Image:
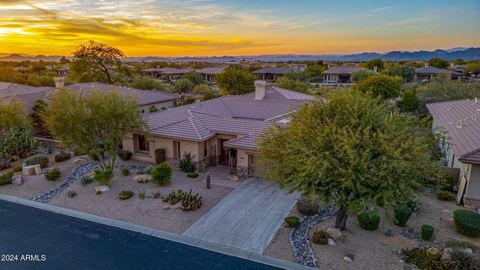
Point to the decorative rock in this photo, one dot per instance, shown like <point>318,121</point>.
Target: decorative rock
<point>79,160</point>
<point>102,189</point>
<point>299,237</point>
<point>468,250</point>
<point>17,179</point>
<point>388,232</point>
<point>446,255</point>
<point>233,177</point>
<point>142,178</point>
<point>331,242</point>
<point>77,172</point>
<point>335,234</point>
<point>409,267</point>
<point>347,259</point>
<point>32,169</point>
<point>410,234</point>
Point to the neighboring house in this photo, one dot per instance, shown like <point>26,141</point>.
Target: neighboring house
<point>459,121</point>
<point>28,94</point>
<point>224,130</point>
<point>147,99</point>
<point>429,73</point>
<point>167,73</point>
<point>209,73</point>
<point>339,74</point>
<point>275,73</point>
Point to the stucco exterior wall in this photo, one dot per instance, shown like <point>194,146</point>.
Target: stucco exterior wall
<point>473,187</point>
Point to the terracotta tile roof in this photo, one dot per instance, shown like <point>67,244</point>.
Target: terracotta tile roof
<point>240,115</point>
<point>460,119</point>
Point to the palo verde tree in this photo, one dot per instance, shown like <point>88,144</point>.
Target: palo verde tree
<point>13,115</point>
<point>235,80</point>
<point>351,151</point>
<point>96,61</point>
<point>95,122</point>
<point>381,85</point>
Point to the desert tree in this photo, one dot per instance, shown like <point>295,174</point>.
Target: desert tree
<point>235,80</point>
<point>95,60</point>
<point>13,115</point>
<point>381,85</point>
<point>95,122</point>
<point>351,151</point>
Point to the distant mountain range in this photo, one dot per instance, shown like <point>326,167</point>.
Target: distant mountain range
<point>448,54</point>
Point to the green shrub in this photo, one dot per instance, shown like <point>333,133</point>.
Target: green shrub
<point>173,197</point>
<point>445,196</point>
<point>462,260</point>
<point>160,155</point>
<point>79,152</point>
<point>192,175</point>
<point>162,173</point>
<point>125,171</point>
<point>409,102</point>
<point>368,220</point>
<point>292,222</point>
<point>447,182</point>
<point>427,232</point>
<point>86,179</point>
<point>462,245</point>
<point>37,159</point>
<point>103,176</point>
<point>190,201</point>
<point>62,156</point>
<point>467,222</point>
<point>308,206</point>
<point>186,164</point>
<point>125,155</point>
<point>141,194</point>
<point>320,237</point>
<point>53,174</point>
<point>433,253</point>
<point>6,178</point>
<point>17,142</point>
<point>125,194</point>
<point>402,214</point>
<point>419,257</point>
<point>412,203</point>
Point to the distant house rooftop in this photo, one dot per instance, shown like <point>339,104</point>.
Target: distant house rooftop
<point>341,70</point>
<point>273,70</point>
<point>168,70</point>
<point>144,97</point>
<point>431,70</point>
<point>461,121</point>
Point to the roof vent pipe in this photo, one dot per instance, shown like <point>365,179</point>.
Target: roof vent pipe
<point>476,100</point>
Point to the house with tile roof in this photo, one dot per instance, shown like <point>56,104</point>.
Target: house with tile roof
<point>28,95</point>
<point>428,73</point>
<point>459,124</point>
<point>224,130</point>
<point>339,74</point>
<point>272,74</point>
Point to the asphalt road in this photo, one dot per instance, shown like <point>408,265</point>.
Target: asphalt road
<point>31,238</point>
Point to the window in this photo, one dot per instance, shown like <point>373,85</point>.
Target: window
<point>143,144</point>
<point>205,149</point>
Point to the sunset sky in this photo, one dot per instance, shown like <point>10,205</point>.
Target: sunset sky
<point>237,27</point>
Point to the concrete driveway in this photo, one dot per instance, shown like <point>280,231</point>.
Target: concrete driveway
<point>247,218</point>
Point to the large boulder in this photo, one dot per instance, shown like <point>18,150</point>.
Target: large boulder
<point>17,179</point>
<point>335,234</point>
<point>142,178</point>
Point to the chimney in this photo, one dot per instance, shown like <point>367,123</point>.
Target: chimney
<point>375,69</point>
<point>426,64</point>
<point>59,82</point>
<point>260,89</point>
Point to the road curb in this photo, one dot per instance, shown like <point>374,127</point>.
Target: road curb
<point>226,250</point>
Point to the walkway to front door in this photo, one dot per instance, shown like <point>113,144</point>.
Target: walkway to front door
<point>247,218</point>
